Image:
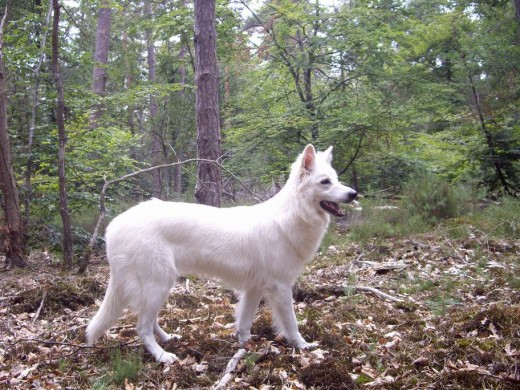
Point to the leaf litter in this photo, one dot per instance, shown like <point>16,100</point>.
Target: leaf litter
<point>449,316</point>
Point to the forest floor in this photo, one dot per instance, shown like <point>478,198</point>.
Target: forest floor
<point>451,320</point>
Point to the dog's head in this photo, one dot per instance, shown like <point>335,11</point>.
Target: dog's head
<point>319,181</point>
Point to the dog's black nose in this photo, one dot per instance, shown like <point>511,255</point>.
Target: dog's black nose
<point>351,196</point>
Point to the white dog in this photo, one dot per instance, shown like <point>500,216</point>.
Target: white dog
<point>257,250</point>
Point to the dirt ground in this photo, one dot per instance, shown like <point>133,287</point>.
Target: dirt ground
<point>449,319</point>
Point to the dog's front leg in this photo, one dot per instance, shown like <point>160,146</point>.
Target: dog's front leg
<point>284,317</point>
<point>245,313</point>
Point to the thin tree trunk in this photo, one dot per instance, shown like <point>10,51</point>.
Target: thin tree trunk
<point>60,121</point>
<point>99,74</point>
<point>32,123</point>
<point>493,157</point>
<point>13,243</point>
<point>517,8</point>
<point>177,172</point>
<point>156,138</point>
<point>128,79</point>
<point>308,97</point>
<point>209,184</point>
<point>517,12</point>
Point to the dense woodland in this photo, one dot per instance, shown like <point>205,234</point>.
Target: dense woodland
<point>399,88</point>
<point>105,103</point>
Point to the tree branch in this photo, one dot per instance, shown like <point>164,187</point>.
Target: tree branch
<point>230,368</point>
<point>380,294</point>
<point>102,209</point>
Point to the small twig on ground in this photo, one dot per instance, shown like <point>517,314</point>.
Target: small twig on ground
<point>378,293</point>
<point>336,290</point>
<point>230,368</point>
<point>39,308</point>
<point>455,250</point>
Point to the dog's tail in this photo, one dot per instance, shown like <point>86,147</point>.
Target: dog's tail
<point>111,309</point>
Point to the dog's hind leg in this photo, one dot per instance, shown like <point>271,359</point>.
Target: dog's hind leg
<point>245,313</point>
<point>149,306</point>
<point>284,319</point>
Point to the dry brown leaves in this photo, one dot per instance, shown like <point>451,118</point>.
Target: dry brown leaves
<point>457,325</point>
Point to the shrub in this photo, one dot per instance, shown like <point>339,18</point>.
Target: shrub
<point>433,198</point>
<point>501,219</point>
<point>385,220</point>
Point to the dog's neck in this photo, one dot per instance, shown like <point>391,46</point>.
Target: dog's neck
<point>295,215</point>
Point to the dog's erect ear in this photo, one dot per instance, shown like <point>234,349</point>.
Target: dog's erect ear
<point>309,154</point>
<point>328,154</point>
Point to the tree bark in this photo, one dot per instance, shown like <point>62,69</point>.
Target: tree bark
<point>99,75</point>
<point>209,176</point>
<point>60,121</point>
<point>128,78</point>
<point>13,243</point>
<point>177,172</point>
<point>32,123</point>
<point>156,137</point>
<point>517,13</point>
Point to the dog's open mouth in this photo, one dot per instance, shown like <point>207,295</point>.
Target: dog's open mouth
<point>332,208</point>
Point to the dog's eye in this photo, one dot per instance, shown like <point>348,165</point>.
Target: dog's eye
<point>325,181</point>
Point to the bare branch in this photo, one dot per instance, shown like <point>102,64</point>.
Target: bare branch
<point>380,294</point>
<point>230,368</point>
<point>102,209</point>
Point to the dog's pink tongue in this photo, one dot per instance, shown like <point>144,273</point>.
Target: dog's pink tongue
<point>332,208</point>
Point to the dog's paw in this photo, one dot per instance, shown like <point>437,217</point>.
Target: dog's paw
<point>171,336</point>
<point>299,342</point>
<point>306,345</point>
<point>167,358</point>
<point>244,337</point>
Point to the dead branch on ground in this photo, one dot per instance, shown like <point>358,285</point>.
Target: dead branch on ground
<point>230,368</point>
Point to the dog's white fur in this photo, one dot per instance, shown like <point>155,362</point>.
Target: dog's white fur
<point>257,250</point>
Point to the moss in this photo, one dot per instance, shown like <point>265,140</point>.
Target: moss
<point>329,374</point>
<point>467,380</point>
<point>504,320</point>
<point>58,296</point>
<point>407,307</point>
<point>262,327</point>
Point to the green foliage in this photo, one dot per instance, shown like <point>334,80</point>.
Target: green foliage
<point>434,198</point>
<point>391,85</point>
<point>501,219</point>
<point>93,156</point>
<point>123,367</point>
<point>382,220</point>
<point>427,200</point>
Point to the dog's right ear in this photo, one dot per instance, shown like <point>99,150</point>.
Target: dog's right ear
<point>309,155</point>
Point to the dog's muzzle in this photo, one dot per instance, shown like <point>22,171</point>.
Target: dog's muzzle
<point>333,208</point>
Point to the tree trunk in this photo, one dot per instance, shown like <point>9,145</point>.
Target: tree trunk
<point>209,176</point>
<point>517,8</point>
<point>32,123</point>
<point>177,172</point>
<point>13,243</point>
<point>493,157</point>
<point>60,121</point>
<point>308,97</point>
<point>128,79</point>
<point>517,12</point>
<point>99,75</point>
<point>156,137</point>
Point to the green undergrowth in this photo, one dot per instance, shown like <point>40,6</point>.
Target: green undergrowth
<point>383,219</point>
